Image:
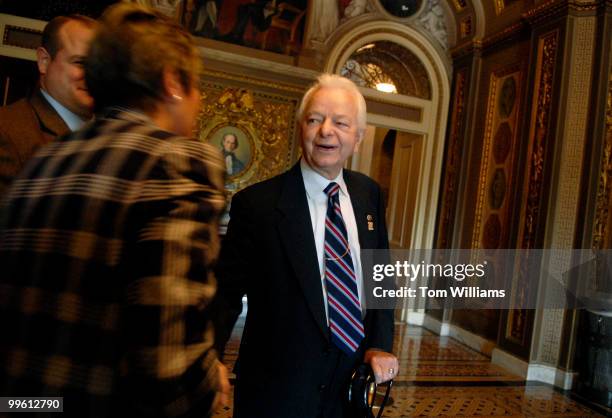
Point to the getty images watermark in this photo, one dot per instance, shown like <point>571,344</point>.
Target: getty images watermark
<point>488,279</point>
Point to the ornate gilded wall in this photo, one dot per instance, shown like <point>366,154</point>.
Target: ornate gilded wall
<point>260,113</point>
<point>263,121</point>
<point>487,203</point>
<point>519,185</point>
<point>602,231</point>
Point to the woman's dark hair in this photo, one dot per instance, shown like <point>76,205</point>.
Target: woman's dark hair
<point>129,53</point>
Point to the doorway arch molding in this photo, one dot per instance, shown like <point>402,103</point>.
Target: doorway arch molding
<point>435,111</point>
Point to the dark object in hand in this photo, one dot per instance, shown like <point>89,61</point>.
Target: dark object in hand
<point>362,393</point>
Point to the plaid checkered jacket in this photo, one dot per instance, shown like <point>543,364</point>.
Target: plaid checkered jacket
<point>106,243</point>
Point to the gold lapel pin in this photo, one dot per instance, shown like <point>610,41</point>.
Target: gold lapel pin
<point>370,222</point>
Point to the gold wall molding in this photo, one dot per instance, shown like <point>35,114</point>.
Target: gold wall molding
<point>545,10</point>
<point>601,230</point>
<point>469,47</point>
<point>503,35</point>
<point>546,60</point>
<point>460,5</point>
<point>465,49</point>
<point>455,146</point>
<point>290,88</point>
<point>396,103</point>
<point>499,6</point>
<point>465,27</point>
<point>554,8</point>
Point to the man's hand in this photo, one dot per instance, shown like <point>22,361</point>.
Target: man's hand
<point>385,365</point>
<point>223,389</point>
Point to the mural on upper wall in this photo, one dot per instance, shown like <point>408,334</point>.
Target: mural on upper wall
<point>275,25</point>
<point>281,25</point>
<point>47,10</point>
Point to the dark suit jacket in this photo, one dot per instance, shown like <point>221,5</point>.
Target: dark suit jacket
<point>287,365</point>
<point>24,126</point>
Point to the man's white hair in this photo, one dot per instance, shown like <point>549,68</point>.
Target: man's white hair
<point>335,81</point>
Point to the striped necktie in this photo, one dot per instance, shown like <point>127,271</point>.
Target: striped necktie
<point>344,309</point>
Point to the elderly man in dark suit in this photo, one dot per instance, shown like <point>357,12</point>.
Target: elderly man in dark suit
<point>293,247</point>
<point>62,104</point>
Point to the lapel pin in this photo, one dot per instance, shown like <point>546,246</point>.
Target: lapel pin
<point>370,222</point>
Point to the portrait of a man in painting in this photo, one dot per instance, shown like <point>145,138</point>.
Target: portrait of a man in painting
<point>236,149</point>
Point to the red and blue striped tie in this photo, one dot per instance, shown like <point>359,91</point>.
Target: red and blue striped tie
<point>344,309</point>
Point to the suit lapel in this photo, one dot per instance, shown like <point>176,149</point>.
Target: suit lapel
<point>50,120</point>
<point>295,229</point>
<point>364,210</point>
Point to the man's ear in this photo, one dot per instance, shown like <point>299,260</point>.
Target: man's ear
<point>43,59</point>
<point>360,135</point>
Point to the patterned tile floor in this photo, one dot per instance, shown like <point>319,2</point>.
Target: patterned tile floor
<point>440,377</point>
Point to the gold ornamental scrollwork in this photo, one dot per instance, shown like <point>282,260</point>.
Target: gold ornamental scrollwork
<point>601,233</point>
<point>266,125</point>
<point>538,134</point>
<point>499,6</point>
<point>460,5</point>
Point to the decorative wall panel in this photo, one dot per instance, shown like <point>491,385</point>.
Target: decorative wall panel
<point>453,160</point>
<point>493,208</point>
<point>540,116</point>
<point>497,177</point>
<point>516,329</point>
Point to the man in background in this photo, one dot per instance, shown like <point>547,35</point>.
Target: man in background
<point>61,104</point>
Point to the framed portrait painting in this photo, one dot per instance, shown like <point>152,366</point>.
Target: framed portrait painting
<point>237,146</point>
